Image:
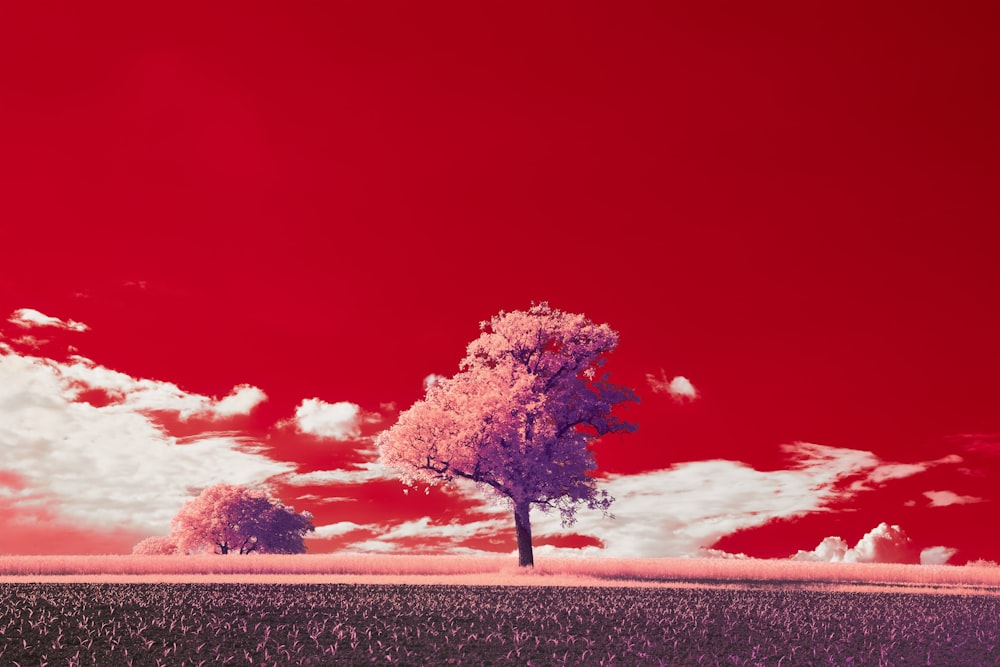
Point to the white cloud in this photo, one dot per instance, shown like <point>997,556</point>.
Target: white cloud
<point>889,471</point>
<point>885,472</point>
<point>721,555</point>
<point>366,472</point>
<point>339,421</point>
<point>372,546</point>
<point>240,401</point>
<point>936,555</point>
<point>946,498</point>
<point>830,550</point>
<point>882,544</point>
<point>683,509</point>
<point>30,341</point>
<point>423,529</point>
<point>135,394</point>
<point>332,530</point>
<point>111,466</point>
<point>28,318</point>
<point>836,462</point>
<point>679,387</point>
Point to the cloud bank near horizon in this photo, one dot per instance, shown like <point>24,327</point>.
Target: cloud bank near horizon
<point>685,509</point>
<point>882,544</point>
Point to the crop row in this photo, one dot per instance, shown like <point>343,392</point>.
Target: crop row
<point>311,624</point>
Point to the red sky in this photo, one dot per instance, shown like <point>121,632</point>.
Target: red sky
<point>792,206</point>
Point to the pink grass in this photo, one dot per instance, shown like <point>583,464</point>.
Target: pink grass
<point>490,570</point>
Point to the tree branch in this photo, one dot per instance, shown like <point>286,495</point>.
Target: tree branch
<point>483,480</point>
<point>567,427</point>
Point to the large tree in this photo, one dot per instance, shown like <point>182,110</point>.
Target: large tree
<point>518,417</point>
<point>225,518</point>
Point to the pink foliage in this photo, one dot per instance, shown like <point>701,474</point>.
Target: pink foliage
<point>158,545</point>
<point>227,518</point>
<point>519,415</point>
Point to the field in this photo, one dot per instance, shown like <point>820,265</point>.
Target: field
<point>373,568</point>
<point>323,610</point>
<point>316,624</point>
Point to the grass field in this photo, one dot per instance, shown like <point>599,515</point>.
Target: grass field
<point>367,568</point>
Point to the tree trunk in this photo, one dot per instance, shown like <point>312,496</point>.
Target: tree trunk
<point>522,524</point>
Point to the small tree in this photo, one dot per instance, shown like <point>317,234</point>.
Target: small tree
<point>158,545</point>
<point>227,518</point>
<point>518,417</point>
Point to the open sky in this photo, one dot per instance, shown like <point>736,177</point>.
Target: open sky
<point>238,239</point>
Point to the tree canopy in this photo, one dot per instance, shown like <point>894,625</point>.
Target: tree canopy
<point>157,545</point>
<point>518,417</point>
<point>233,519</point>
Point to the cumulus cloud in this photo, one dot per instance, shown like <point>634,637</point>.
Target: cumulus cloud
<point>28,318</point>
<point>936,555</point>
<point>883,544</point>
<point>338,421</point>
<point>111,465</point>
<point>679,387</point>
<point>240,401</point>
<point>946,498</point>
<point>830,550</point>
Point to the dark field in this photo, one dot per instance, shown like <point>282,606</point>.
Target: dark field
<point>311,624</point>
